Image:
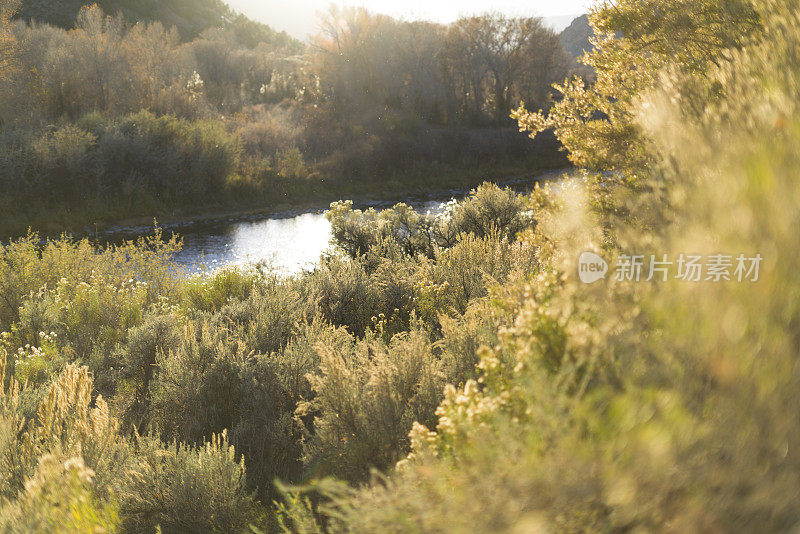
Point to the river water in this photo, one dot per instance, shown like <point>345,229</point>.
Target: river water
<point>289,242</point>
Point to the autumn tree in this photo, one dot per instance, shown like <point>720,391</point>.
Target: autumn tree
<point>477,65</point>
<point>636,40</point>
<point>364,58</point>
<point>497,60</point>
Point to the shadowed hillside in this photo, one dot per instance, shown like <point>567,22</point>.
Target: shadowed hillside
<point>190,17</point>
<point>575,37</point>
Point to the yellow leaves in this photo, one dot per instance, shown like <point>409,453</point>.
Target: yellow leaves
<point>8,8</point>
<point>7,61</point>
<point>631,48</point>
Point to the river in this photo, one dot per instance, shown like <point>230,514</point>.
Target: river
<point>289,242</point>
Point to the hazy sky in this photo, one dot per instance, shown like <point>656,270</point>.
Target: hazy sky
<point>298,17</point>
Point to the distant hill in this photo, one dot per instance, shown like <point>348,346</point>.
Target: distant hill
<point>575,37</point>
<point>559,22</point>
<point>190,17</point>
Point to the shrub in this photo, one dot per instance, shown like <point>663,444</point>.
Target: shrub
<point>137,161</point>
<point>265,321</point>
<point>158,335</point>
<point>352,230</point>
<point>395,286</point>
<point>367,394</point>
<point>469,266</point>
<point>32,270</point>
<point>172,157</point>
<point>209,292</point>
<point>197,389</point>
<point>96,316</point>
<point>489,210</point>
<point>66,426</point>
<point>62,165</point>
<point>343,293</point>
<point>206,387</point>
<point>59,498</point>
<point>290,164</point>
<point>181,488</point>
<point>358,232</point>
<point>462,339</point>
<point>36,365</point>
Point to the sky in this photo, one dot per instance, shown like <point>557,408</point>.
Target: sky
<point>298,17</point>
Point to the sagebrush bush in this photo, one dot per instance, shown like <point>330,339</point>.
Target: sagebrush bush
<point>28,267</point>
<point>396,287</point>
<point>489,210</point>
<point>196,389</point>
<point>356,232</point>
<point>463,336</point>
<point>59,498</point>
<point>209,292</point>
<point>186,489</point>
<point>367,394</point>
<point>343,294</point>
<point>265,321</point>
<point>473,263</point>
<point>158,335</point>
<point>69,424</point>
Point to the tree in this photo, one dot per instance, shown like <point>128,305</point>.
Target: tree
<point>636,40</point>
<point>369,62</point>
<point>508,58</point>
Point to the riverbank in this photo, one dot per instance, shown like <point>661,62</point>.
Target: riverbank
<point>288,241</point>
<point>286,198</point>
<point>134,228</point>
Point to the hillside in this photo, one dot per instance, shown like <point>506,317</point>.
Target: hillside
<point>575,37</point>
<point>190,17</point>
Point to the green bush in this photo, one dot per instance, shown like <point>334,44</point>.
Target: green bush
<point>182,488</point>
<point>68,424</point>
<point>158,335</point>
<point>136,161</point>
<point>323,373</point>
<point>489,210</point>
<point>265,321</point>
<point>196,389</point>
<point>395,285</point>
<point>59,498</point>
<point>343,294</point>
<point>353,231</point>
<point>463,337</point>
<point>30,270</point>
<point>60,164</point>
<point>367,394</point>
<point>358,233</point>
<point>474,263</point>
<point>209,292</point>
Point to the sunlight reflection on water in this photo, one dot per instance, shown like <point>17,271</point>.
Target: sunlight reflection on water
<point>288,244</point>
